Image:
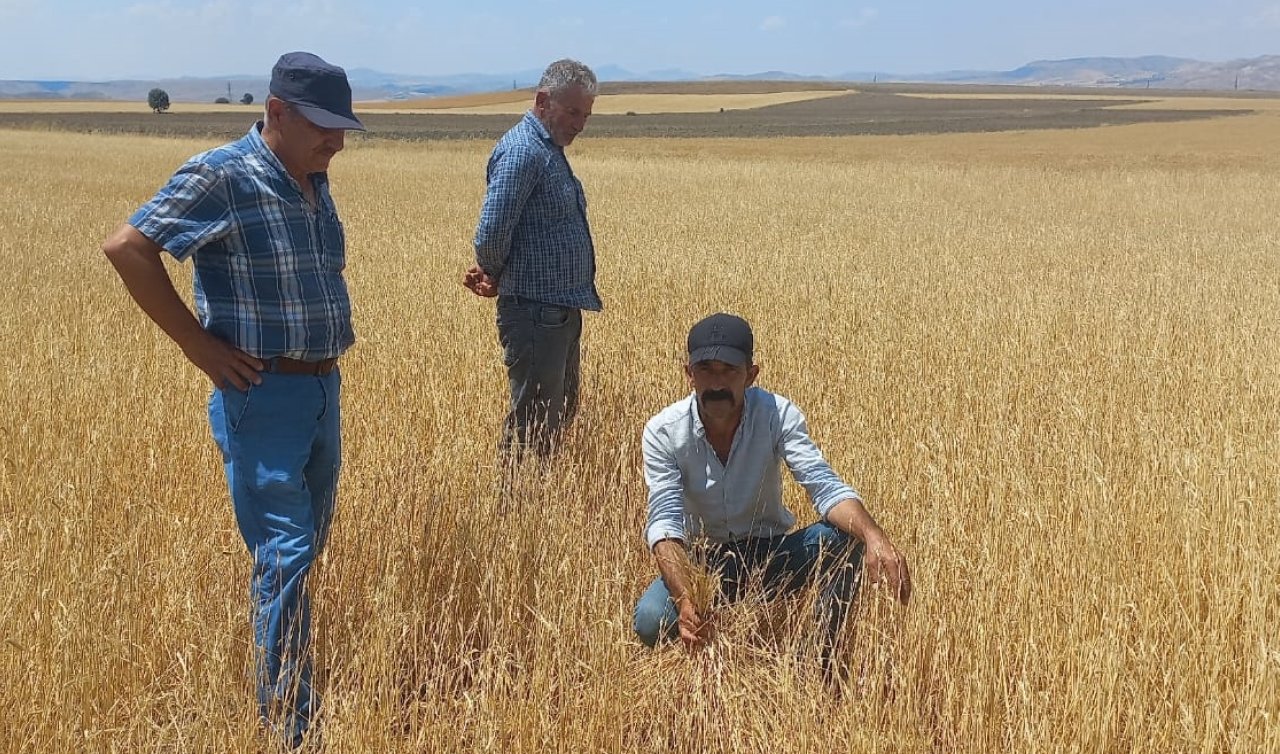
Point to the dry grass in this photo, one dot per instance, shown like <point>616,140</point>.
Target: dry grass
<point>1050,361</point>
<point>612,104</point>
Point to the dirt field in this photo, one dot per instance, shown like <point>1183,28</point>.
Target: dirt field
<point>872,112</point>
<point>637,104</point>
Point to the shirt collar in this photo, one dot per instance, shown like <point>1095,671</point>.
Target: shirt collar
<point>536,124</point>
<point>259,145</point>
<point>698,428</point>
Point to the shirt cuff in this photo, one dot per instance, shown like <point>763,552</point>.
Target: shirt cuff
<point>824,507</point>
<point>659,532</point>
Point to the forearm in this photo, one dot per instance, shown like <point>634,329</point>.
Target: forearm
<point>850,517</point>
<point>676,569</point>
<point>147,281</point>
<point>491,257</point>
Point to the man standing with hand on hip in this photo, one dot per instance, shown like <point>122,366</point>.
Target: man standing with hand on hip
<point>533,251</point>
<point>272,318</point>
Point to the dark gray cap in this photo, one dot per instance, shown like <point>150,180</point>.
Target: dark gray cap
<point>318,89</point>
<point>721,337</point>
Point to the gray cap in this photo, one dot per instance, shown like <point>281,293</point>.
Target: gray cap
<point>722,337</point>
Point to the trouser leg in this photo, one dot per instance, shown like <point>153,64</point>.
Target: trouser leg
<point>540,344</point>
<point>821,555</point>
<point>279,439</point>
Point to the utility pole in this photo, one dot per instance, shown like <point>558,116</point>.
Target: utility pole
<point>228,91</point>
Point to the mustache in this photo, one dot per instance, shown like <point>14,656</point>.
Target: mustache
<point>717,395</point>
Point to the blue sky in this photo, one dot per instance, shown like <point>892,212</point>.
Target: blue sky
<point>102,39</point>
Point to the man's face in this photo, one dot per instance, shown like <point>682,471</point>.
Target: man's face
<point>720,386</point>
<point>308,146</point>
<point>565,114</point>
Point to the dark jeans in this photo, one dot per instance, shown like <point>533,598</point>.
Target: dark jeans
<point>540,348</point>
<point>780,565</point>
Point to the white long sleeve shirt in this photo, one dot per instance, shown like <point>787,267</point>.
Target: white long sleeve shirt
<point>691,493</point>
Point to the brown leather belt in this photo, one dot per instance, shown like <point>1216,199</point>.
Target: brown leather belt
<point>285,365</point>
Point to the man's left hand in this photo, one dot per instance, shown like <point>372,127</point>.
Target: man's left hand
<point>480,282</point>
<point>885,565</point>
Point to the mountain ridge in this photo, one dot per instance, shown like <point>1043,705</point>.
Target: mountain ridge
<point>1165,72</point>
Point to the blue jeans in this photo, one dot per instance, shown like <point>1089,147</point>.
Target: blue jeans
<point>540,349</point>
<point>780,565</point>
<point>281,449</point>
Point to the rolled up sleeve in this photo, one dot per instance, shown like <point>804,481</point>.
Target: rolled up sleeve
<point>189,212</point>
<point>666,492</point>
<point>826,489</point>
<point>512,176</point>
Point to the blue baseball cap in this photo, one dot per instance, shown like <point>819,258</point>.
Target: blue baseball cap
<point>318,89</point>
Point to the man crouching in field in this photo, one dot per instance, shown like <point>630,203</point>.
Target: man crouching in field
<point>711,463</point>
<point>256,217</point>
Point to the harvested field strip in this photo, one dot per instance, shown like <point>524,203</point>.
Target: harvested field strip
<point>620,104</point>
<point>1125,100</point>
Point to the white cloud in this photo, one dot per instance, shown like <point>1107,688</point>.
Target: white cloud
<point>862,18</point>
<point>773,23</point>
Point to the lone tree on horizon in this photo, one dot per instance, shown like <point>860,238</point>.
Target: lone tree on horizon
<point>158,100</point>
<point>247,99</point>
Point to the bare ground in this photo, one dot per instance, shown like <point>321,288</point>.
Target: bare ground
<point>874,110</point>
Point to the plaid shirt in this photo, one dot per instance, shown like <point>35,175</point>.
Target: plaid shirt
<point>533,234</point>
<point>268,267</point>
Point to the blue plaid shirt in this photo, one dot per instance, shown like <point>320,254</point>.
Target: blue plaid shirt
<point>533,234</point>
<point>268,267</point>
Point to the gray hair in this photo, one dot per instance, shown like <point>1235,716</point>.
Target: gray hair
<point>563,74</point>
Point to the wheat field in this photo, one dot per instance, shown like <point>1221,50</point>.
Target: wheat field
<point>1049,361</point>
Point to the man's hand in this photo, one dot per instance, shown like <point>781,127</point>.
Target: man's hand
<point>885,565</point>
<point>480,282</point>
<point>225,364</point>
<point>695,631</point>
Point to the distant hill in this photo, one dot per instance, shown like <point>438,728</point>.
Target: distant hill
<point>1155,71</point>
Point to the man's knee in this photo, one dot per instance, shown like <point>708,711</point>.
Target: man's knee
<point>836,546</point>
<point>648,624</point>
<point>655,619</point>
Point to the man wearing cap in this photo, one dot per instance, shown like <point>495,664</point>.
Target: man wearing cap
<point>711,463</point>
<point>533,251</point>
<point>272,317</point>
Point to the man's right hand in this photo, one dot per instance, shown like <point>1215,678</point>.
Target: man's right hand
<point>695,631</point>
<point>225,364</point>
<point>480,282</point>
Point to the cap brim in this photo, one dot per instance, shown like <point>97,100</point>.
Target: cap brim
<point>326,119</point>
<point>727,354</point>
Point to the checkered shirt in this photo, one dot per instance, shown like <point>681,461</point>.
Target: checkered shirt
<point>268,267</point>
<point>533,234</point>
